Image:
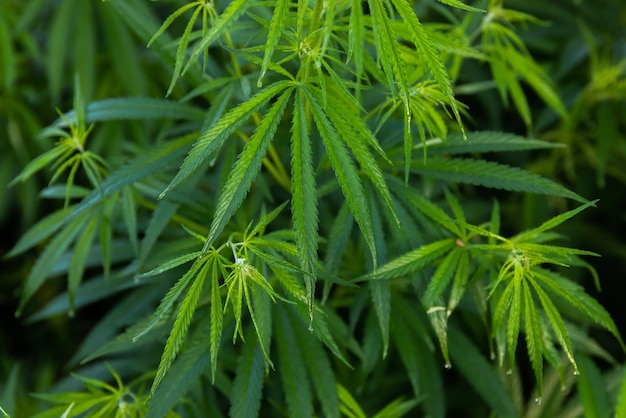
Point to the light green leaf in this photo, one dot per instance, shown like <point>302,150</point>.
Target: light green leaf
<point>428,52</point>
<point>412,261</point>
<point>460,5</point>
<point>273,35</point>
<point>230,15</point>
<point>620,409</point>
<point>534,337</point>
<point>245,169</point>
<point>556,321</point>
<point>576,296</point>
<point>212,139</point>
<point>348,405</point>
<point>181,324</point>
<point>552,223</point>
<point>170,298</point>
<point>304,200</point>
<point>442,276</point>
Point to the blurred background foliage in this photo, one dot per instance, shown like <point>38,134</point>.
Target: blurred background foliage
<point>43,43</point>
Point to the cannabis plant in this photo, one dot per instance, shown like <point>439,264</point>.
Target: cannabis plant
<point>305,221</point>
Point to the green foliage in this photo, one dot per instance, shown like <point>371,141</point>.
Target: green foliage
<point>219,210</point>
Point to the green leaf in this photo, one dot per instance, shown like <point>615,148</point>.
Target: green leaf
<point>79,259</point>
<point>411,261</point>
<point>217,319</point>
<point>273,35</point>
<point>556,321</point>
<point>245,400</point>
<point>40,231</point>
<point>230,15</point>
<point>442,276</point>
<point>48,259</point>
<point>131,108</point>
<point>245,169</point>
<point>212,139</point>
<point>552,223</point>
<point>534,337</point>
<point>182,375</point>
<point>484,141</point>
<point>181,324</point>
<point>170,298</point>
<point>319,367</point>
<point>292,367</point>
<point>490,174</point>
<point>592,389</point>
<point>620,409</point>
<point>429,54</point>
<point>576,296</point>
<point>460,5</point>
<point>348,405</point>
<point>480,374</point>
<point>39,163</point>
<point>345,171</point>
<point>304,200</point>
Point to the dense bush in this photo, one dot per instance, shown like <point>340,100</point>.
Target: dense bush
<point>311,208</point>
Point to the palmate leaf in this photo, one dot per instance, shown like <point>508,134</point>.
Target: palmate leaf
<point>304,200</point>
<point>245,169</point>
<point>429,53</point>
<point>575,295</point>
<point>346,173</point>
<point>212,139</point>
<point>230,15</point>
<point>490,174</point>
